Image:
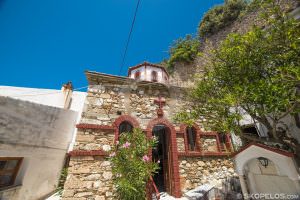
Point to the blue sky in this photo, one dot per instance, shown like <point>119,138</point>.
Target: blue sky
<point>45,43</point>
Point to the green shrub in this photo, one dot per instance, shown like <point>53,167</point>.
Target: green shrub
<point>220,16</point>
<point>62,180</point>
<point>131,165</point>
<point>183,50</point>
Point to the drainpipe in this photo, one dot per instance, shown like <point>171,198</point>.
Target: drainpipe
<point>67,90</point>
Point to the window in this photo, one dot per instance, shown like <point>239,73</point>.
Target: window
<point>191,138</point>
<point>250,130</point>
<point>154,76</point>
<point>222,139</point>
<point>137,75</point>
<point>8,170</point>
<point>125,127</point>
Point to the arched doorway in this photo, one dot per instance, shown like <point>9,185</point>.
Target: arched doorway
<point>162,154</point>
<point>168,178</point>
<point>266,170</point>
<point>264,176</point>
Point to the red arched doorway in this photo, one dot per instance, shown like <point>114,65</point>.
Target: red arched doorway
<point>167,178</point>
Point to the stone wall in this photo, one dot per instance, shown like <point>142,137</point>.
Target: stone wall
<point>88,178</point>
<point>209,144</point>
<point>90,139</point>
<point>105,104</point>
<point>202,170</point>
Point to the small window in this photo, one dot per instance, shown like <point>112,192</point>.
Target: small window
<point>137,75</point>
<point>8,170</point>
<point>250,130</point>
<point>191,137</point>
<point>222,139</point>
<point>125,127</point>
<point>154,76</point>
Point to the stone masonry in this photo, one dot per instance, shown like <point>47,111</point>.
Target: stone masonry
<point>112,99</point>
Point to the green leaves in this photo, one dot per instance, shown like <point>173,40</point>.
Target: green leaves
<point>257,72</point>
<point>183,50</point>
<point>131,166</point>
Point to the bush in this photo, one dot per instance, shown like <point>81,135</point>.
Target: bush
<point>220,16</point>
<point>61,182</point>
<point>131,165</point>
<point>183,50</point>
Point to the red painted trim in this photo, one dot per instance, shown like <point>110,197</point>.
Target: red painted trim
<point>275,150</point>
<point>94,126</point>
<point>198,132</point>
<point>202,154</point>
<point>88,153</point>
<point>146,64</point>
<point>121,119</point>
<point>176,192</point>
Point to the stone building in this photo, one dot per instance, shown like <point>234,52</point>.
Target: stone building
<point>189,157</point>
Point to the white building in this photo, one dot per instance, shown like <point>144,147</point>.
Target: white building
<point>37,129</point>
<point>264,170</point>
<point>149,72</point>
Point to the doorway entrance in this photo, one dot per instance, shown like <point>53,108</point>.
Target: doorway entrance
<point>162,153</point>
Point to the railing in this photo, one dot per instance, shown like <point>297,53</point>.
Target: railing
<point>152,191</point>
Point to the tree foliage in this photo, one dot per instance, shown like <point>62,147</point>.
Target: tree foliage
<point>221,16</point>
<point>131,165</point>
<point>257,72</point>
<point>183,50</point>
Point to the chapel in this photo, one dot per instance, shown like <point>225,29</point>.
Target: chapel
<point>189,156</point>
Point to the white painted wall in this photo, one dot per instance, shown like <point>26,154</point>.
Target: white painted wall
<point>281,176</point>
<point>41,134</point>
<point>146,73</point>
<point>48,97</point>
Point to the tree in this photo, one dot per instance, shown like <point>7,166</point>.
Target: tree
<point>257,72</point>
<point>131,165</point>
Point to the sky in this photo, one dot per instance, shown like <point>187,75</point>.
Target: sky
<point>45,43</point>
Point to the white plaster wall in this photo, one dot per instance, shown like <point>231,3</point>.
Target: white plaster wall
<point>47,97</point>
<point>274,184</point>
<point>270,182</point>
<point>285,165</point>
<point>41,134</point>
<point>146,73</point>
<point>141,70</point>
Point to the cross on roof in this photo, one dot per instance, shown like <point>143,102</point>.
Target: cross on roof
<point>160,102</point>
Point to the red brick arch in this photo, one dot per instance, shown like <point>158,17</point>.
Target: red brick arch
<point>121,119</point>
<point>198,132</point>
<point>176,192</point>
